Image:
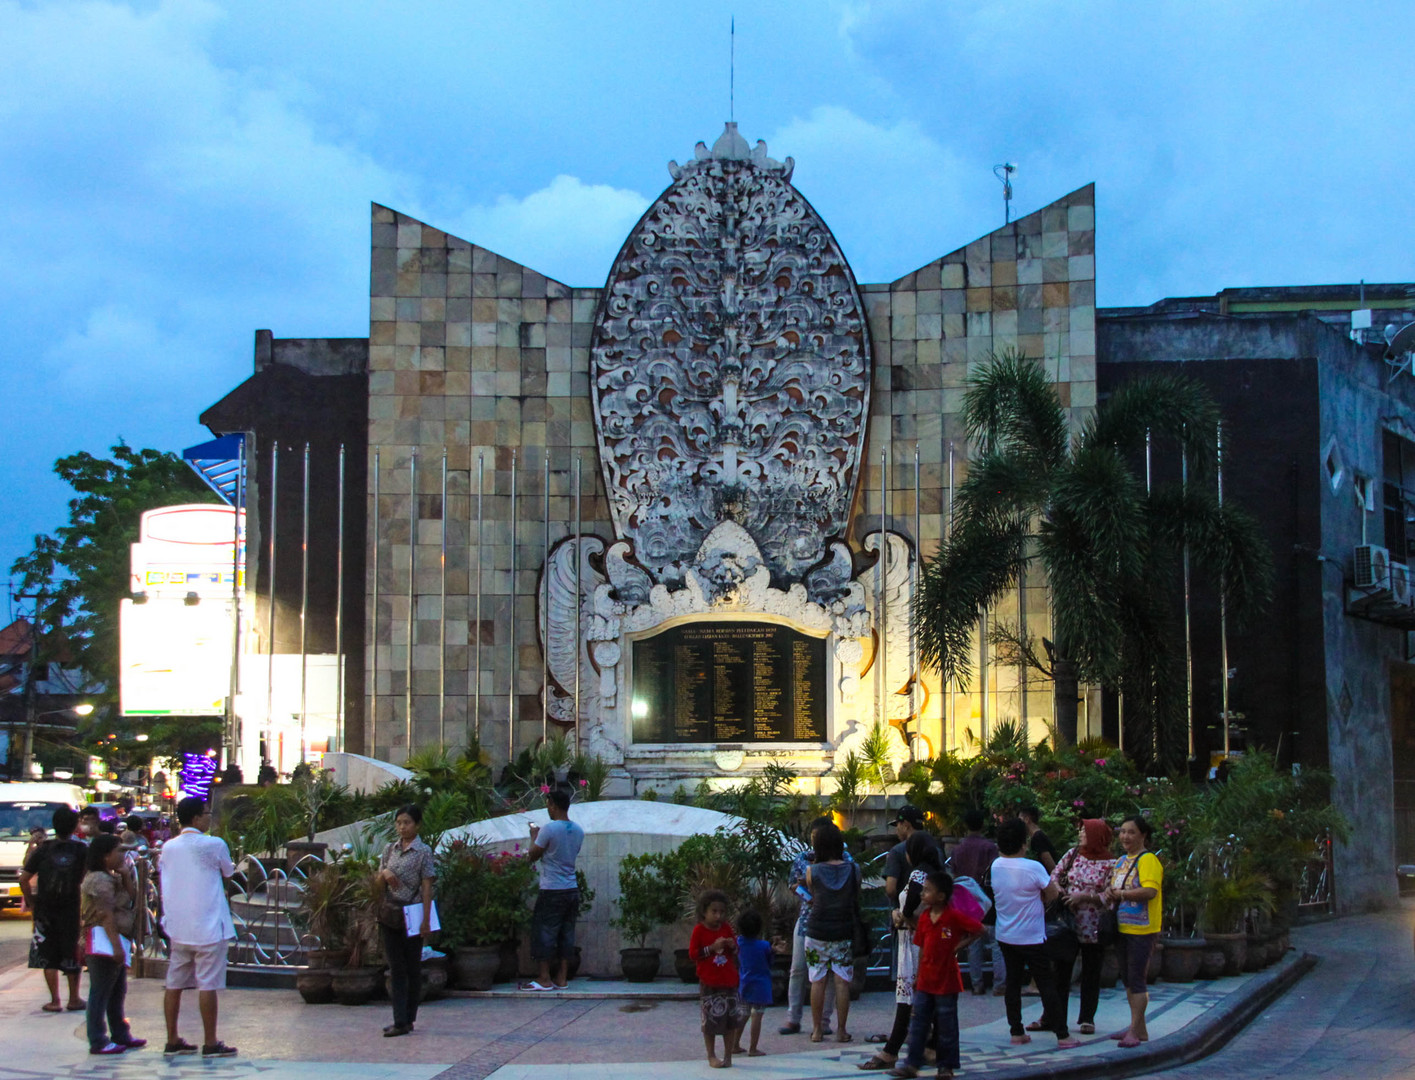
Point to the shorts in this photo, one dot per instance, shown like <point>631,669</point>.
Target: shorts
<point>553,924</point>
<point>823,957</point>
<point>722,1009</point>
<point>55,945</point>
<point>757,1010</point>
<point>1138,948</point>
<point>197,967</point>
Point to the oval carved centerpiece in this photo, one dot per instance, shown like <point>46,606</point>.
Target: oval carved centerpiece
<point>730,369</point>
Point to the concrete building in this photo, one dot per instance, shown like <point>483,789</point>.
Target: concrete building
<point>1319,423</point>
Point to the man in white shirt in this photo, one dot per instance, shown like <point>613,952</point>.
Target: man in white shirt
<point>193,869</point>
<point>1022,888</point>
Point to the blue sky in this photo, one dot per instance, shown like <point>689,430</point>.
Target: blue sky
<point>174,175</point>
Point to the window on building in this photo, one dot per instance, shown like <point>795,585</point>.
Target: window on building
<point>1398,496</point>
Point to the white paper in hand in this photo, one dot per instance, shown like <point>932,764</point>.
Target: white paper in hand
<point>413,919</point>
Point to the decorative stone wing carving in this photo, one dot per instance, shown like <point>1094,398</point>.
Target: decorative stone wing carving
<point>898,560</point>
<point>558,600</point>
<point>730,370</point>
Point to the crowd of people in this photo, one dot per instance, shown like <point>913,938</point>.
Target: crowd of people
<point>1035,911</point>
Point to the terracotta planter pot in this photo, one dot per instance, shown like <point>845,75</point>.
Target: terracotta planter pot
<point>1257,957</point>
<point>316,986</point>
<point>328,959</point>
<point>1234,948</point>
<point>684,966</point>
<point>356,986</point>
<point>474,967</point>
<point>1211,967</point>
<point>1182,959</point>
<point>639,965</point>
<point>508,963</point>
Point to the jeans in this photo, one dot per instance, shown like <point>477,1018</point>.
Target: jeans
<point>940,1011</point>
<point>553,924</point>
<point>796,993</point>
<point>107,993</point>
<point>975,960</point>
<point>405,972</point>
<point>1033,960</point>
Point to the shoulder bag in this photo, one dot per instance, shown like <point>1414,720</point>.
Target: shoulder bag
<point>1060,919</point>
<point>1132,912</point>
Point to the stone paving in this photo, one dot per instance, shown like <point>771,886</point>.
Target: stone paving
<point>515,1038</point>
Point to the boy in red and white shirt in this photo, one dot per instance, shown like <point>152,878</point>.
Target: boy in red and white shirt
<point>942,930</point>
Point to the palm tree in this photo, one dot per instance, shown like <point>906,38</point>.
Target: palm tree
<point>1077,508</point>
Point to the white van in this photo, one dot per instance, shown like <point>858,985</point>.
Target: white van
<point>23,806</point>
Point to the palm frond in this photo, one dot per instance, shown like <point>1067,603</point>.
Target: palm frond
<point>1012,408</point>
<point>1225,542</point>
<point>1168,406</point>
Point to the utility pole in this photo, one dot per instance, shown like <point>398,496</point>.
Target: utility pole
<point>27,754</point>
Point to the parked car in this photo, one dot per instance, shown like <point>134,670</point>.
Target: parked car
<point>23,806</point>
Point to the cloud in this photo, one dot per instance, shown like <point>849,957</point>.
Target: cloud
<point>569,230</point>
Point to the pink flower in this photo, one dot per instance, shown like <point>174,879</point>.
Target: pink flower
<point>1078,802</point>
<point>584,783</point>
<point>1100,761</point>
<point>545,789</point>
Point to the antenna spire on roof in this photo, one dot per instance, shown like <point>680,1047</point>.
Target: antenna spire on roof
<point>732,70</point>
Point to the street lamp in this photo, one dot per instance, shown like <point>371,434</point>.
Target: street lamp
<point>82,709</point>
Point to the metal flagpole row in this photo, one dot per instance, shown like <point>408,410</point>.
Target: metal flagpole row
<point>339,614</point>
<point>304,600</point>
<point>1223,603</point>
<point>1188,629</point>
<point>951,735</point>
<point>371,725</point>
<point>270,603</point>
<point>233,726</point>
<point>544,616</point>
<point>476,629</point>
<point>412,599</point>
<point>442,621</point>
<point>511,667</point>
<point>913,603</point>
<point>579,637</point>
<point>881,612</point>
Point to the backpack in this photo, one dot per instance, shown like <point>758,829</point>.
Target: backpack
<point>975,891</point>
<point>60,873</point>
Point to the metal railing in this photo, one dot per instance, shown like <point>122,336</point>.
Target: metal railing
<point>263,899</point>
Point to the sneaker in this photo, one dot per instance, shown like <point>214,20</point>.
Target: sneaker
<point>219,1049</point>
<point>108,1048</point>
<point>133,1044</point>
<point>181,1046</point>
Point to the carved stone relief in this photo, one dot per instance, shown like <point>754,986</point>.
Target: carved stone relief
<point>730,376</point>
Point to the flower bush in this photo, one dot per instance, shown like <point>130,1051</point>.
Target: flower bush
<point>482,899</point>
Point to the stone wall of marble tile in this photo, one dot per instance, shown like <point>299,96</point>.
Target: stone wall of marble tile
<point>1028,286</point>
<point>476,357</point>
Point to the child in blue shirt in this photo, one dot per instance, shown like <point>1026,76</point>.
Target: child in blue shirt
<point>754,963</point>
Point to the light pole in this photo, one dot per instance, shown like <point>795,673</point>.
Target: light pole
<point>32,724</point>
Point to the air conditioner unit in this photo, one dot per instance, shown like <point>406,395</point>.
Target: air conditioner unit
<point>1372,568</point>
<point>1400,583</point>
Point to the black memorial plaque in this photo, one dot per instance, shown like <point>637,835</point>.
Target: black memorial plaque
<point>727,682</point>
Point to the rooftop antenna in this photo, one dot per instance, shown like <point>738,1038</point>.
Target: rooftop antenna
<point>732,71</point>
<point>1004,173</point>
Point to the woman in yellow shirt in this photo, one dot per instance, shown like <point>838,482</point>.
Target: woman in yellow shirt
<point>1135,889</point>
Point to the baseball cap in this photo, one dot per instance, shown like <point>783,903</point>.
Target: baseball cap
<point>912,814</point>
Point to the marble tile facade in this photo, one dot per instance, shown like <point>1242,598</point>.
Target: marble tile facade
<point>486,360</point>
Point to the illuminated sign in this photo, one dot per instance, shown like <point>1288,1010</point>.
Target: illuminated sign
<point>187,549</point>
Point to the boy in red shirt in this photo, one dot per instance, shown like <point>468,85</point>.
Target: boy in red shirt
<point>714,947</point>
<point>941,932</point>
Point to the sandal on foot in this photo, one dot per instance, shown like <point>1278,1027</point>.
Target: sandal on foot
<point>877,1039</point>
<point>844,1037</point>
<point>1129,1042</point>
<point>51,1007</point>
<point>816,1036</point>
<point>539,987</point>
<point>76,1006</point>
<point>1021,1040</point>
<point>876,1064</point>
<point>1037,1025</point>
<point>904,1072</point>
<point>1118,1035</point>
<point>1068,1043</point>
<point>1086,1029</point>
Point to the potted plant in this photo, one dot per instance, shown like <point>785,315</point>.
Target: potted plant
<point>357,981</point>
<point>313,792</point>
<point>483,900</point>
<point>324,913</point>
<point>587,898</point>
<point>1184,947</point>
<point>648,899</point>
<point>1228,898</point>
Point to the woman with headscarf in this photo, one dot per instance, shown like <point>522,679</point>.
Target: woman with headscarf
<point>1083,875</point>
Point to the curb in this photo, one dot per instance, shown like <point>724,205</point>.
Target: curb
<point>1197,1039</point>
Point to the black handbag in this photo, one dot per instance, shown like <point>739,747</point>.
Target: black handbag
<point>1060,919</point>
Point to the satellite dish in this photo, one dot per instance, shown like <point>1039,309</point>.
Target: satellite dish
<point>1403,342</point>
